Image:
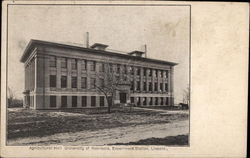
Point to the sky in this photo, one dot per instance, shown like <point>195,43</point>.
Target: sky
<point>164,29</point>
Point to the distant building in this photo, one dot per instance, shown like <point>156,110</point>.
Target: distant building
<point>61,76</point>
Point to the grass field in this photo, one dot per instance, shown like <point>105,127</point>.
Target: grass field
<point>25,123</point>
<point>171,140</point>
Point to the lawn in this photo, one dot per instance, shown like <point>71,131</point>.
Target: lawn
<point>171,140</point>
<point>24,123</point>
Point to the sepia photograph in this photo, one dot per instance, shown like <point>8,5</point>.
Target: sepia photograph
<point>124,79</point>
<point>101,75</point>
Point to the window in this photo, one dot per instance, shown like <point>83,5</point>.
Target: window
<point>52,101</point>
<point>132,85</point>
<point>92,83</point>
<point>93,103</point>
<point>101,82</point>
<point>161,86</point>
<point>84,101</point>
<point>139,101</point>
<point>138,85</point>
<point>162,102</point>
<point>74,101</point>
<point>73,64</point>
<point>166,87</point>
<point>150,72</point>
<point>110,68</point>
<point>84,82</point>
<point>129,69</point>
<point>132,70</point>
<point>144,101</point>
<point>167,100</point>
<point>156,101</point>
<point>92,65</point>
<point>132,99</point>
<point>150,101</point>
<point>150,86</point>
<point>52,61</point>
<point>64,101</point>
<point>144,71</point>
<point>52,81</point>
<point>138,71</point>
<point>64,63</point>
<point>118,68</point>
<point>154,73</point>
<point>73,82</point>
<point>101,67</point>
<point>63,81</point>
<point>125,70</point>
<point>156,87</point>
<point>102,101</point>
<point>84,64</point>
<point>144,86</point>
<point>166,74</point>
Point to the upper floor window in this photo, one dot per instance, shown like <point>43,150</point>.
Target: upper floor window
<point>125,70</point>
<point>138,86</point>
<point>160,73</point>
<point>73,64</point>
<point>52,81</point>
<point>129,69</point>
<point>52,61</point>
<point>150,72</point>
<point>144,71</point>
<point>101,68</point>
<point>132,70</point>
<point>131,85</point>
<point>144,86</point>
<point>74,82</point>
<point>63,81</point>
<point>166,74</point>
<point>84,82</point>
<point>118,68</point>
<point>150,86</point>
<point>84,64</point>
<point>110,67</point>
<point>101,82</point>
<point>64,63</point>
<point>92,83</point>
<point>92,66</point>
<point>166,87</point>
<point>138,71</point>
<point>156,86</point>
<point>154,73</point>
<point>161,86</point>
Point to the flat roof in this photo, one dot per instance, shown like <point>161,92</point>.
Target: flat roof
<point>33,43</point>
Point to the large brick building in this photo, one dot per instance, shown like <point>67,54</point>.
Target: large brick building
<point>64,76</point>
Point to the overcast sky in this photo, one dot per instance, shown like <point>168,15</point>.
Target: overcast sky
<point>165,30</point>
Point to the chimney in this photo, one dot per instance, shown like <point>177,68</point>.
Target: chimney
<point>99,46</point>
<point>87,39</point>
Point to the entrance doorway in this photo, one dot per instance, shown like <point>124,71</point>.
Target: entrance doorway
<point>123,98</point>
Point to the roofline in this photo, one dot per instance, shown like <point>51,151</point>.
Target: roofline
<point>33,42</point>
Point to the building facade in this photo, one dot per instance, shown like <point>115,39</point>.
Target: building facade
<point>59,76</point>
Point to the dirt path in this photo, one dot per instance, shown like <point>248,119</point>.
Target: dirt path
<point>109,136</point>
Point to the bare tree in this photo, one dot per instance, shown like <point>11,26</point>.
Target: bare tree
<point>186,96</point>
<point>109,84</point>
<point>10,95</point>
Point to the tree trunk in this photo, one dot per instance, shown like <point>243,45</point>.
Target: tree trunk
<point>109,103</point>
